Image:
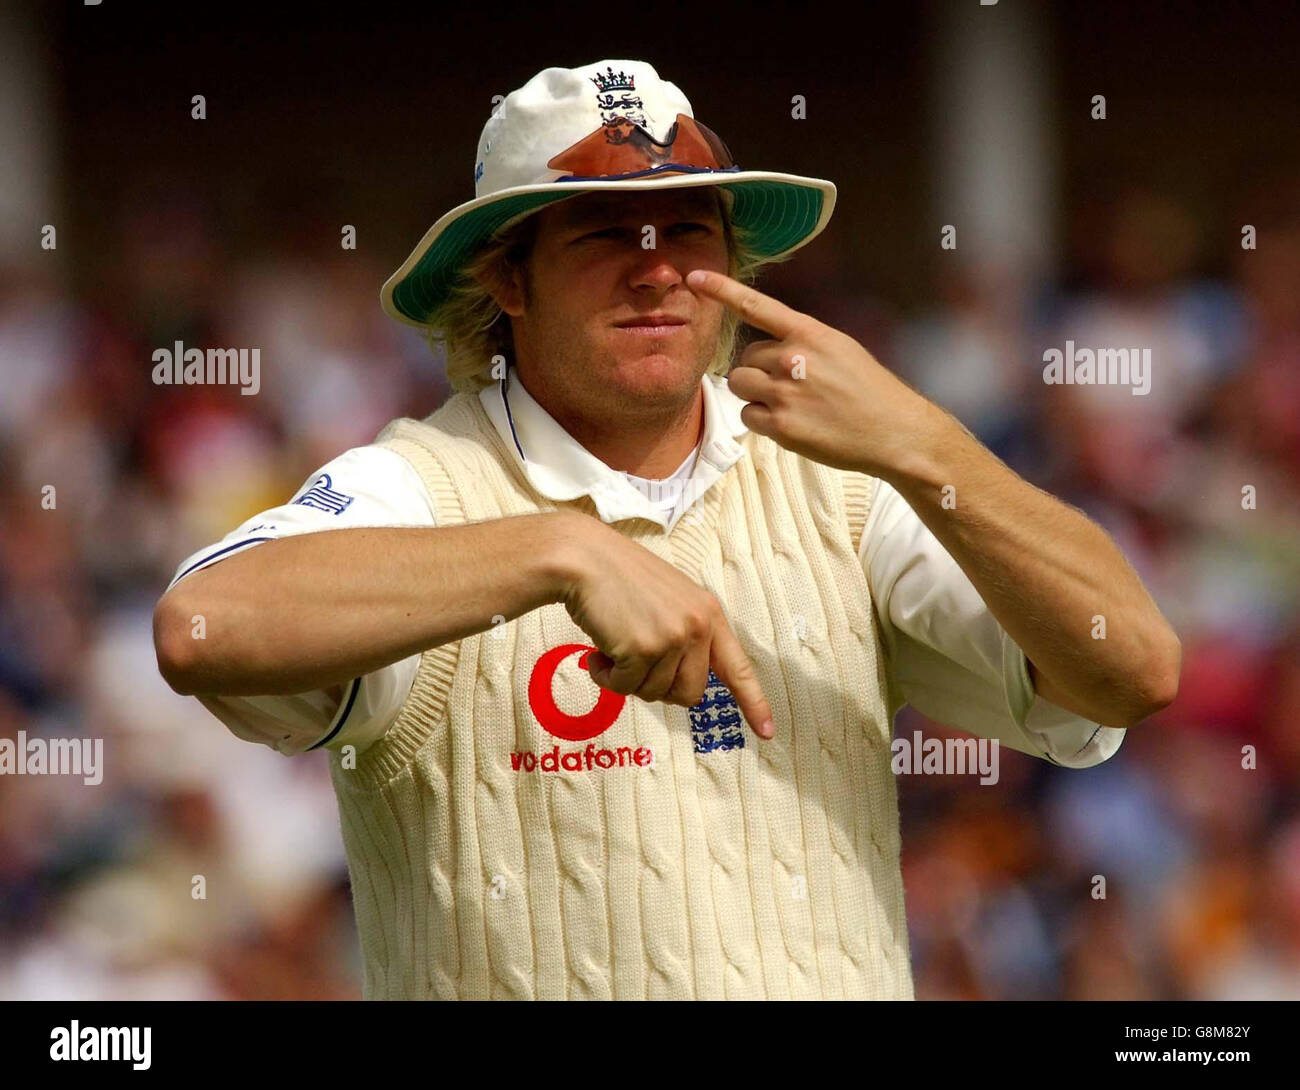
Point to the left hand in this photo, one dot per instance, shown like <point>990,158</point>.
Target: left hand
<point>815,390</point>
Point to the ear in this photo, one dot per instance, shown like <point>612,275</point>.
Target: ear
<point>507,293</point>
<point>513,295</point>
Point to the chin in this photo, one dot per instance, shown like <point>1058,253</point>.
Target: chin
<point>657,371</point>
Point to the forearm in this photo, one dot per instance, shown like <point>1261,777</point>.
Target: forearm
<point>1050,576</point>
<point>1044,571</point>
<point>317,609</point>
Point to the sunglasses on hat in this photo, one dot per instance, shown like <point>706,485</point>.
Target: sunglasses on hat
<point>622,149</point>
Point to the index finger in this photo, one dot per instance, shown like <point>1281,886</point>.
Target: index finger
<point>733,668</point>
<point>754,307</point>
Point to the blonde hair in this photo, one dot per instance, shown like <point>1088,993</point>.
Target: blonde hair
<point>468,328</point>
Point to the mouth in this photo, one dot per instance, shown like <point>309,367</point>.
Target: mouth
<point>653,325</point>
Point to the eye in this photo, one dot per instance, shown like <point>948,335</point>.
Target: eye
<point>608,232</point>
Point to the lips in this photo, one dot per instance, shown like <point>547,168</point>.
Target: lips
<point>652,321</point>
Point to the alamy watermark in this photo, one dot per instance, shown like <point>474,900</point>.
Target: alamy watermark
<point>945,757</point>
<point>183,366</point>
<point>664,493</point>
<point>82,757</point>
<point>1104,367</point>
<point>112,1043</point>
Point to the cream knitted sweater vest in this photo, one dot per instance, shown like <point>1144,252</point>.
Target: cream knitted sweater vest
<point>518,833</point>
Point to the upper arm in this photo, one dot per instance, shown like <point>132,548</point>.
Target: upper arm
<point>948,654</point>
<point>357,713</point>
<point>365,486</point>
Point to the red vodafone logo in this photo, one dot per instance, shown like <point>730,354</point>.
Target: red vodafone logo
<point>572,728</point>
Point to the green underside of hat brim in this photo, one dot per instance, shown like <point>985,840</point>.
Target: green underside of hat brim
<point>777,217</point>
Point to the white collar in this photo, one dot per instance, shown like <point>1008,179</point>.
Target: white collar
<point>561,469</point>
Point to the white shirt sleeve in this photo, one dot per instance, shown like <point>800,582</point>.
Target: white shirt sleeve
<point>365,486</point>
<point>950,657</point>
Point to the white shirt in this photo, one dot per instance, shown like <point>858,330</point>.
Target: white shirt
<point>953,661</point>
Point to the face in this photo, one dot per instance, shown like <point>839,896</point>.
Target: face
<point>608,323</point>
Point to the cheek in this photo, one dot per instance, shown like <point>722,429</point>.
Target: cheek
<point>563,301</point>
<point>716,255</point>
<point>711,316</point>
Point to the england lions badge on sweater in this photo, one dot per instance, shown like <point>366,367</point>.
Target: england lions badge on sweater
<point>716,721</point>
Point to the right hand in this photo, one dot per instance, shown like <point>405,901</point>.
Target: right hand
<point>657,632</point>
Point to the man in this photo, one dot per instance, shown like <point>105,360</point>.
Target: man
<point>800,546</point>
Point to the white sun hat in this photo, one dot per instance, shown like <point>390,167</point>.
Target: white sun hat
<point>611,125</point>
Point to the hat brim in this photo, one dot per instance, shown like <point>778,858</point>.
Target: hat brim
<point>778,212</point>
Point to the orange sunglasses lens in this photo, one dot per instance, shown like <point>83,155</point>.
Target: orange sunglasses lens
<point>623,148</point>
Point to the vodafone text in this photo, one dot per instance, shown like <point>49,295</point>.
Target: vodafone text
<point>582,760</point>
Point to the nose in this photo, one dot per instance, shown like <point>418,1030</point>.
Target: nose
<point>656,270</point>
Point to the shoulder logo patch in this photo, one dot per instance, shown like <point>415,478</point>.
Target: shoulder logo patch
<point>324,498</point>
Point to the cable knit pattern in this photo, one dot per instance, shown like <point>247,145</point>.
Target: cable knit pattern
<point>673,870</point>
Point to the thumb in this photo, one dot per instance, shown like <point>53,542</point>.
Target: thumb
<point>597,663</point>
<point>733,668</point>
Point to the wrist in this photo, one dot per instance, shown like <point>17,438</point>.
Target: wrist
<point>925,461</point>
<point>566,546</point>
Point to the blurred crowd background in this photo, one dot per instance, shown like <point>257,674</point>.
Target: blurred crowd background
<point>1122,231</point>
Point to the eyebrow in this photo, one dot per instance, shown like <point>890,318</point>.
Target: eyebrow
<point>580,215</point>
